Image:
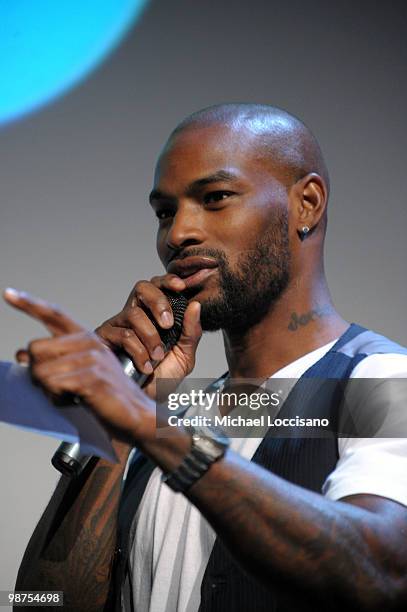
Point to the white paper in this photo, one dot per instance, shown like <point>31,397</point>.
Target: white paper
<point>26,406</point>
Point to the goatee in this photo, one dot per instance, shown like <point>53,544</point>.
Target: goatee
<point>247,294</point>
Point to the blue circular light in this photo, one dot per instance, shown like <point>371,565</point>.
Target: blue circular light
<point>47,46</point>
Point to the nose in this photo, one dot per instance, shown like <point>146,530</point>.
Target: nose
<point>186,228</point>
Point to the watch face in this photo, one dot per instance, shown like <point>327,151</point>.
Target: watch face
<point>206,437</point>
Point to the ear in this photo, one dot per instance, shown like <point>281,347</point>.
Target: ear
<point>310,199</point>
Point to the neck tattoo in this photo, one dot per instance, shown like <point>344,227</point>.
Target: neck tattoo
<point>297,320</point>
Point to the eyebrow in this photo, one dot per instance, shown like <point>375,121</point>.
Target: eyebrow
<point>216,177</point>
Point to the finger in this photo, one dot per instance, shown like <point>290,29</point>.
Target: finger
<point>43,371</point>
<point>169,281</point>
<point>111,335</point>
<point>46,349</point>
<point>121,336</point>
<point>96,392</point>
<point>191,330</point>
<point>116,321</point>
<point>125,339</point>
<point>54,319</point>
<point>22,356</point>
<point>138,321</point>
<point>151,298</point>
<point>135,299</point>
<point>72,381</point>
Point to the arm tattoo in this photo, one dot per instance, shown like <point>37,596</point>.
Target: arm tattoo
<point>74,552</point>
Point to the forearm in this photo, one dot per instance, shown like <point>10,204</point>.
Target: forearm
<point>72,546</point>
<point>280,531</point>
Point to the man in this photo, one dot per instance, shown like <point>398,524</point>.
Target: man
<point>240,192</point>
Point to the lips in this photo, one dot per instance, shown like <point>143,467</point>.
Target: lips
<point>190,265</point>
<point>193,270</point>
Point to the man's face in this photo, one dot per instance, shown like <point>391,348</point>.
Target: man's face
<point>223,225</point>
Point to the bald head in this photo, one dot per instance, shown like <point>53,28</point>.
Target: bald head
<point>282,139</point>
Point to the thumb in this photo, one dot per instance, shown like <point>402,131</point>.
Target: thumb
<point>191,331</point>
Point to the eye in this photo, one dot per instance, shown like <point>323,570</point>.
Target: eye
<point>216,196</point>
<point>164,213</point>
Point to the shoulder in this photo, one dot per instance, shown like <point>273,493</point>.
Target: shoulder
<point>376,356</point>
<point>365,464</point>
<point>381,365</point>
<point>369,342</point>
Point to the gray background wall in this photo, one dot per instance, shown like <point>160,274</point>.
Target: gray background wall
<point>74,178</point>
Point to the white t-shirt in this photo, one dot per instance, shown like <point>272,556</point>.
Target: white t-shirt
<point>173,541</point>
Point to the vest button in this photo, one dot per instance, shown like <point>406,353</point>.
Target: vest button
<point>217,582</point>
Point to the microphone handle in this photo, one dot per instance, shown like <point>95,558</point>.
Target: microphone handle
<point>68,460</point>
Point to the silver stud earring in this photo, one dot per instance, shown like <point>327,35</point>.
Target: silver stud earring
<point>303,232</point>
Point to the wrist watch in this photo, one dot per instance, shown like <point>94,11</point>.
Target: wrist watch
<point>209,444</point>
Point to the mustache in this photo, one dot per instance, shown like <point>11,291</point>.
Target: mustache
<point>215,254</point>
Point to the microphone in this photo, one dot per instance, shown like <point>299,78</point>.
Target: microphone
<point>67,458</point>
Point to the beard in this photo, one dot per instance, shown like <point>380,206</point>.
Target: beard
<point>247,293</point>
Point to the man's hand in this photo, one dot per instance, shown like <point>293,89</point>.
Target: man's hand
<point>133,331</point>
<point>76,361</point>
